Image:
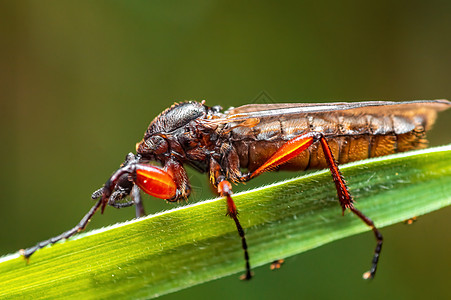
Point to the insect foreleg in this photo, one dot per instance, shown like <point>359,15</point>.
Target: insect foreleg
<point>67,234</point>
<point>136,196</point>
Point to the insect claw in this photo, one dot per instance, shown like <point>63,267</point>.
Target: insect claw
<point>276,264</point>
<point>23,253</point>
<point>247,276</point>
<point>410,221</point>
<point>367,275</point>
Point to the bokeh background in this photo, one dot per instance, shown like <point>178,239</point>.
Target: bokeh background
<point>81,80</point>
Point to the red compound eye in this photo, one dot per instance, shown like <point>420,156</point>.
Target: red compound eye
<point>155,182</point>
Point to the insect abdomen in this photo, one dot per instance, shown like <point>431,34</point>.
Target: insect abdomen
<point>345,148</point>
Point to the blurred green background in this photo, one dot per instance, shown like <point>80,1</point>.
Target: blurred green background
<point>81,80</point>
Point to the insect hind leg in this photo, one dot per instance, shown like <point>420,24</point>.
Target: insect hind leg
<point>346,202</point>
<point>294,147</point>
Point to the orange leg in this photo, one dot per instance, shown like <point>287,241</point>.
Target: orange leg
<point>294,147</point>
<point>289,150</point>
<point>225,190</point>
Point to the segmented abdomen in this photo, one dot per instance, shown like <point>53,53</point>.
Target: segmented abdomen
<point>353,134</point>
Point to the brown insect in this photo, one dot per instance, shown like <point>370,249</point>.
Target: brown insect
<point>259,138</point>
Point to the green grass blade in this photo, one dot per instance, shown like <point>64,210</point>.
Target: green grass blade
<point>194,244</point>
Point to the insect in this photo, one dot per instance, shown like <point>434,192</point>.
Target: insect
<point>260,138</point>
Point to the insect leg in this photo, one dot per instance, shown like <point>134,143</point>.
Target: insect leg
<point>225,190</point>
<point>180,177</point>
<point>289,150</point>
<point>136,196</point>
<point>346,202</point>
<point>300,143</point>
<point>79,227</point>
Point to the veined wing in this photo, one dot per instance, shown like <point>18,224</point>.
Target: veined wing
<point>366,107</point>
<point>268,121</point>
